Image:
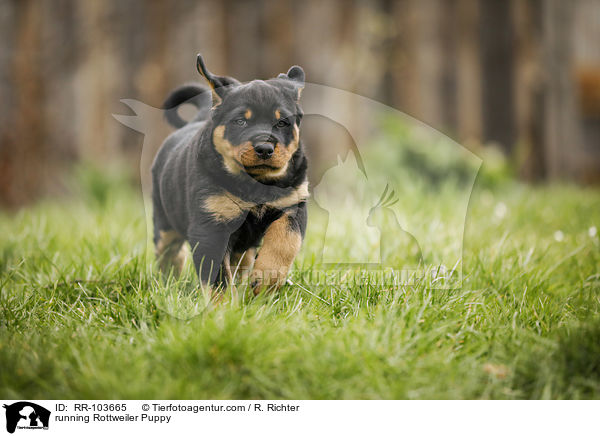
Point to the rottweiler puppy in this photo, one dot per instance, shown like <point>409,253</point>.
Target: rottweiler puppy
<point>233,178</point>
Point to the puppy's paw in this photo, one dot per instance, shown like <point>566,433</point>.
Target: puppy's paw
<point>267,280</point>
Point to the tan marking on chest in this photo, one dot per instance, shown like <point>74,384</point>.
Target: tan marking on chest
<point>259,210</point>
<point>298,195</point>
<point>226,207</point>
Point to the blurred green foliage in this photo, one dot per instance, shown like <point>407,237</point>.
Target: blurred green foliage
<point>423,153</point>
<point>97,185</point>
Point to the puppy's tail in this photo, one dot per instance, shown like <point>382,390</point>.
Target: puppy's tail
<point>193,93</point>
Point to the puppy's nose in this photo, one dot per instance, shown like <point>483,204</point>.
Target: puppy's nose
<point>264,150</point>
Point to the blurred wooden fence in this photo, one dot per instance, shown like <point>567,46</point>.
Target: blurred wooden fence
<point>524,74</point>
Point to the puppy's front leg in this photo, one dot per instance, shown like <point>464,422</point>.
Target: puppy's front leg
<point>209,244</point>
<point>281,244</point>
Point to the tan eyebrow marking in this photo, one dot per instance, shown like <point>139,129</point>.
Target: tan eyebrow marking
<point>277,114</point>
<point>248,114</point>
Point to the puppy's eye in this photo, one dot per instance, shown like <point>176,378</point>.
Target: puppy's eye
<point>240,122</point>
<point>282,123</point>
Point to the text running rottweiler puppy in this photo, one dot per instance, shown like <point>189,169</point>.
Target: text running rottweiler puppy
<point>233,177</point>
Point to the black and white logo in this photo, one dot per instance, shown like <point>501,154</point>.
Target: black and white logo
<point>26,415</point>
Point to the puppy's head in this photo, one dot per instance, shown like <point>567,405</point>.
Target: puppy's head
<point>256,125</point>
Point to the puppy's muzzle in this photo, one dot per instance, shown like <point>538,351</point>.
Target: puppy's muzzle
<point>264,146</point>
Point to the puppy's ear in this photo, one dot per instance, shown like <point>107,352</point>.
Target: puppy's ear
<point>219,84</point>
<point>296,76</point>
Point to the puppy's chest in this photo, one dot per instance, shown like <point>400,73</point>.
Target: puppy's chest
<point>259,211</point>
<point>260,217</point>
<point>225,207</point>
<point>252,229</point>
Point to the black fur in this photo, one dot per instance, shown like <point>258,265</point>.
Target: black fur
<point>188,169</point>
<point>193,93</point>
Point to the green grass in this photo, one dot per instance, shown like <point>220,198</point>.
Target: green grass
<point>85,315</point>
